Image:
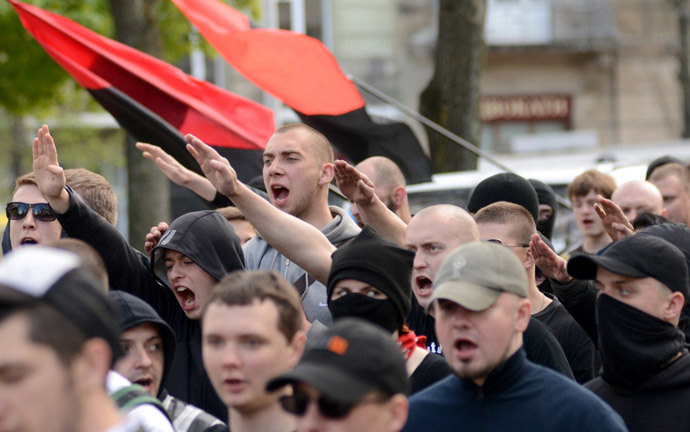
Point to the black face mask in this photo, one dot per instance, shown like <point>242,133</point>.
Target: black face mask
<point>634,345</point>
<point>377,311</point>
<point>546,226</point>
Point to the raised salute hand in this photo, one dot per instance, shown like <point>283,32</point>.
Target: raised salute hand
<point>216,168</point>
<point>615,223</point>
<point>177,172</point>
<point>549,262</point>
<point>356,186</point>
<point>50,176</point>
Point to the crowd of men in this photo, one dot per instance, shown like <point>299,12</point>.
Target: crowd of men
<point>281,312</point>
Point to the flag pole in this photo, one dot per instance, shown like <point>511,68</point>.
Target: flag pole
<point>438,128</point>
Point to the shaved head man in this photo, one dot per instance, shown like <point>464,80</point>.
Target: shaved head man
<point>432,234</point>
<point>389,184</point>
<point>637,196</point>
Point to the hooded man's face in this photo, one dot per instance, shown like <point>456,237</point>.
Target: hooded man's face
<point>144,357</point>
<point>190,283</point>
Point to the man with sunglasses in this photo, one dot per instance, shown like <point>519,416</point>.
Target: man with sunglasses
<point>513,226</point>
<point>352,379</point>
<point>30,217</point>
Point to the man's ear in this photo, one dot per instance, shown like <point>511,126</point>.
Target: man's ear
<point>398,196</point>
<point>529,259</point>
<point>327,174</point>
<point>524,314</point>
<point>674,306</point>
<point>399,407</point>
<point>299,340</point>
<point>92,364</point>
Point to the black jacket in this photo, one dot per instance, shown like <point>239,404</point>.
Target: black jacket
<point>131,311</point>
<point>212,244</point>
<point>660,404</point>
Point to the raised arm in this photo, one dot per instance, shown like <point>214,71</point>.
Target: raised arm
<point>177,173</point>
<point>50,177</point>
<point>294,238</point>
<point>615,223</point>
<point>359,189</point>
<point>127,268</point>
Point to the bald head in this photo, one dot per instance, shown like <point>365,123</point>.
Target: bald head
<point>382,171</point>
<point>389,186</point>
<point>432,234</point>
<point>637,196</point>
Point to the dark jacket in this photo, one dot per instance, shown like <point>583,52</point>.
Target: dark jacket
<point>213,242</point>
<point>131,311</point>
<point>660,404</point>
<point>517,396</point>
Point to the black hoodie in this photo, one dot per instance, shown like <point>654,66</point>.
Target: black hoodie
<point>131,311</point>
<point>214,246</point>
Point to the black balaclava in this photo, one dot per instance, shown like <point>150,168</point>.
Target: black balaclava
<point>546,196</point>
<point>504,187</point>
<point>634,345</point>
<point>385,266</point>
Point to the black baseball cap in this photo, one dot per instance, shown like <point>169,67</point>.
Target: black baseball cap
<point>347,361</point>
<point>35,274</point>
<point>637,256</point>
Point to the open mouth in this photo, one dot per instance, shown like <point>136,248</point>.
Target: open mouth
<point>147,383</point>
<point>424,285</point>
<point>280,194</point>
<point>234,384</point>
<point>464,348</point>
<point>186,298</point>
<point>27,240</point>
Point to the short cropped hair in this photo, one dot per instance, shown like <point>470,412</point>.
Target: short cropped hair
<point>241,288</point>
<point>502,212</point>
<point>48,327</point>
<point>672,169</point>
<point>24,180</point>
<point>320,144</point>
<point>600,183</point>
<point>95,190</point>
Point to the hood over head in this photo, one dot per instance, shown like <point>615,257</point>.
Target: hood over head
<point>131,311</point>
<point>205,237</point>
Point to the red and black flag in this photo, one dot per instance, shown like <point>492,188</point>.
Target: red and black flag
<point>301,71</point>
<point>153,100</point>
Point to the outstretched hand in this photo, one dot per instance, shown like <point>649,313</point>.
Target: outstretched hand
<point>172,169</point>
<point>216,168</point>
<point>548,261</point>
<point>177,172</point>
<point>356,186</point>
<point>153,237</point>
<point>50,177</point>
<point>615,223</point>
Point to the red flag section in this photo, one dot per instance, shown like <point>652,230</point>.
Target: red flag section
<point>301,72</point>
<point>295,68</point>
<point>153,100</point>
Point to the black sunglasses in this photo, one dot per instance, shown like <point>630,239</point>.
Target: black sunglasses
<point>499,241</point>
<point>298,402</point>
<point>41,211</point>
